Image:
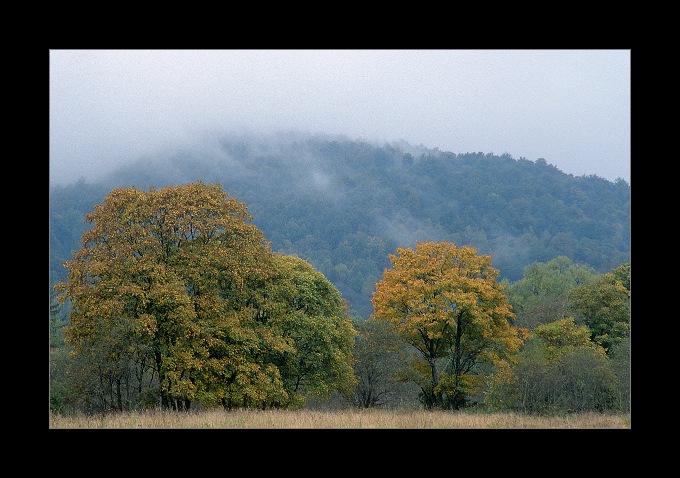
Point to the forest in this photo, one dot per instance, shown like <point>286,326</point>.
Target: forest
<point>335,217</point>
<point>344,205</point>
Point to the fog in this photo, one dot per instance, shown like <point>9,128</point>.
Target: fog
<point>570,107</point>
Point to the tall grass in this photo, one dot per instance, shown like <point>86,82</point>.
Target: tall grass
<point>371,418</point>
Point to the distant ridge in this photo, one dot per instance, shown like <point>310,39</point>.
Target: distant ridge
<point>344,204</point>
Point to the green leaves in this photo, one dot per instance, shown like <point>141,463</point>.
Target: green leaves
<point>175,290</point>
<point>604,306</point>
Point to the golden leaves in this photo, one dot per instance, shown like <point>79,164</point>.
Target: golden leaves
<point>446,302</point>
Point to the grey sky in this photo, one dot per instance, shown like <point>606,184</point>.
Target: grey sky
<point>571,107</point>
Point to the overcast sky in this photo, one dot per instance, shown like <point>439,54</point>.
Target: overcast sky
<point>570,107</point>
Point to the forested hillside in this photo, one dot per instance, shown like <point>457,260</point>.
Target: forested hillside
<point>344,205</point>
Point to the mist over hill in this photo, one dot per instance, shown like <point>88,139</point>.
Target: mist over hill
<point>345,205</point>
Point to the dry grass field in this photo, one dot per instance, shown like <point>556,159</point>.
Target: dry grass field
<point>357,419</point>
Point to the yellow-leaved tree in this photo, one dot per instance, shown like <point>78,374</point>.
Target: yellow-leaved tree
<point>168,297</point>
<point>445,301</point>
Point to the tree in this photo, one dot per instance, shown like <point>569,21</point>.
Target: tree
<point>177,298</point>
<point>540,297</point>
<point>308,312</point>
<point>619,356</point>
<point>59,392</point>
<point>622,274</point>
<point>562,370</point>
<point>445,301</point>
<point>604,306</point>
<point>380,361</point>
<point>162,293</point>
<point>57,321</point>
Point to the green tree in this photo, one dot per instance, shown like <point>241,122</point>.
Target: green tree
<point>560,370</point>
<point>445,301</point>
<point>310,315</point>
<point>587,381</point>
<point>59,388</point>
<point>582,376</point>
<point>622,274</point>
<point>604,306</point>
<point>541,295</point>
<point>381,357</point>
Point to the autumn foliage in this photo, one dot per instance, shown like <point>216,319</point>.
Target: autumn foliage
<point>177,298</point>
<point>444,300</point>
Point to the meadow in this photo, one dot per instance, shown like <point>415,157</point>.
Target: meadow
<point>318,419</point>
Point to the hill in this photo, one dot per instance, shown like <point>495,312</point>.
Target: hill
<point>344,205</point>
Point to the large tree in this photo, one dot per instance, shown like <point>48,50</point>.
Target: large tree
<point>445,301</point>
<point>163,295</point>
<point>310,315</point>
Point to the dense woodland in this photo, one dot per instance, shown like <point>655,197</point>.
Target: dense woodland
<point>345,205</point>
<point>335,211</point>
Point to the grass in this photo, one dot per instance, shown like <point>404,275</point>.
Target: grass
<point>357,419</point>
